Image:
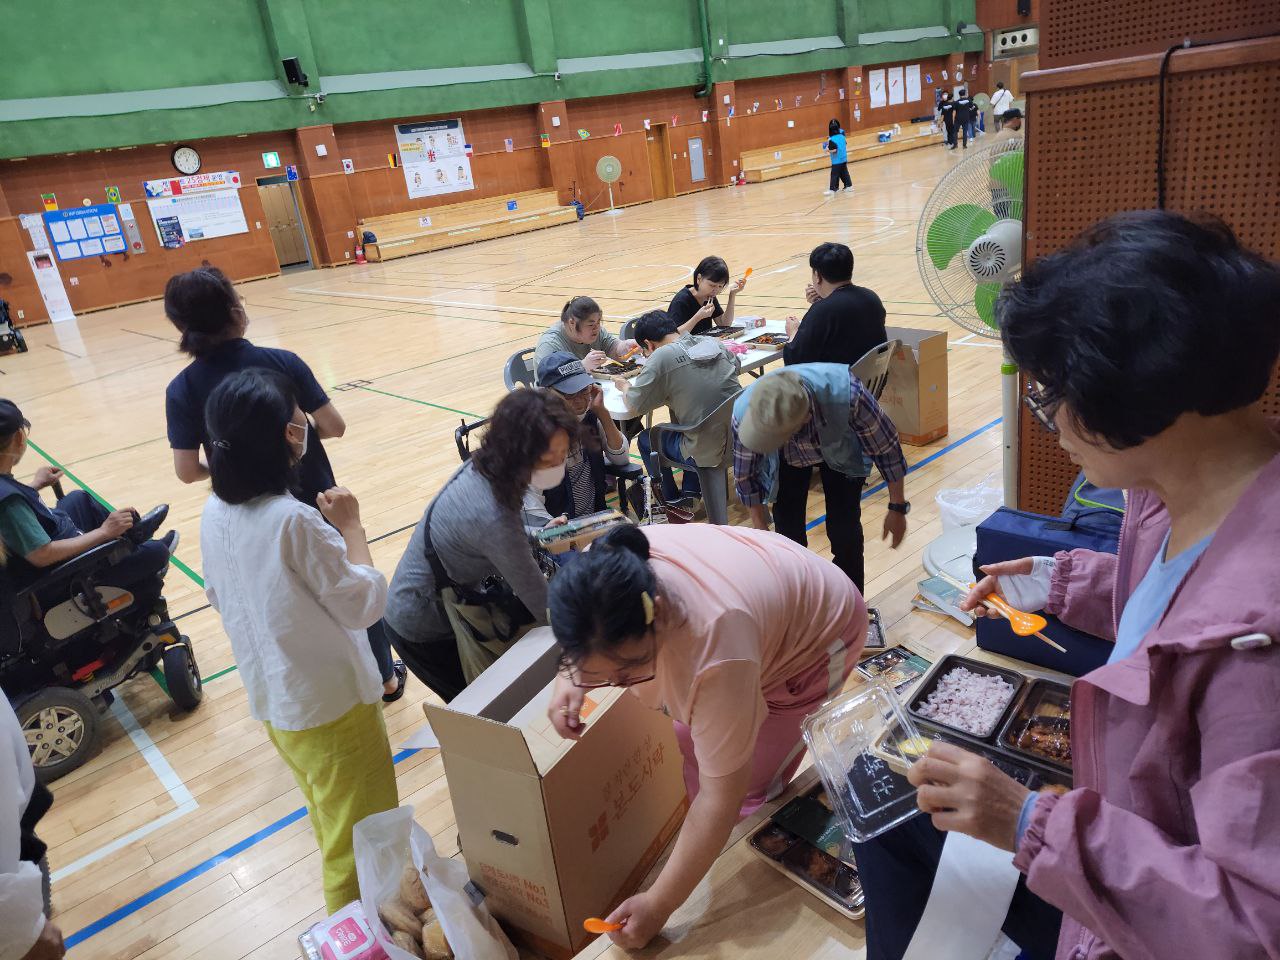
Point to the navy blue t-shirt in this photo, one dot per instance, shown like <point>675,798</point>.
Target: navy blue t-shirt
<point>187,393</point>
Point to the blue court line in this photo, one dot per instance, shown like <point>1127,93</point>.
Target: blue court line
<point>916,466</point>
<point>151,896</point>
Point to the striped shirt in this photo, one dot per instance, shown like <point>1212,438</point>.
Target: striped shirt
<point>872,426</point>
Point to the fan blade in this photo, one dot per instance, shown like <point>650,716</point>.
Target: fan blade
<point>954,229</point>
<point>1008,171</point>
<point>984,301</point>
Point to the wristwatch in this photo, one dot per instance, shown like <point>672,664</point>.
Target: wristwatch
<point>902,508</point>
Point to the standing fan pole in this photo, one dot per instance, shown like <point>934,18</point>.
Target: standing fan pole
<point>1009,429</point>
<point>612,212</point>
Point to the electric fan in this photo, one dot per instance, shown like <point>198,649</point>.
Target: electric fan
<point>968,246</point>
<point>609,170</point>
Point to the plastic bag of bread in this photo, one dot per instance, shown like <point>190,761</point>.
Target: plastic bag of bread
<point>426,904</point>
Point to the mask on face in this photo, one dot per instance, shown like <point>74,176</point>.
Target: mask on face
<point>548,478</point>
<point>306,433</point>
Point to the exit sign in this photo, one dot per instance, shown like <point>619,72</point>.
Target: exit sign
<point>271,160</point>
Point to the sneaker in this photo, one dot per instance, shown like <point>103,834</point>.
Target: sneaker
<point>828,193</point>
<point>144,528</point>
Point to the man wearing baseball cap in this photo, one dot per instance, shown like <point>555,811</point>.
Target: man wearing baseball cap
<point>583,489</point>
<point>817,414</point>
<point>35,536</point>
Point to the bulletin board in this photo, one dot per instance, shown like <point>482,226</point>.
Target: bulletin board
<point>200,216</point>
<point>85,231</point>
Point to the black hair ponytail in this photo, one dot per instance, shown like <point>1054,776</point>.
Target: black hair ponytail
<point>597,602</point>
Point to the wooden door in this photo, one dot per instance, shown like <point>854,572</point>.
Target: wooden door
<point>660,162</point>
<point>283,223</point>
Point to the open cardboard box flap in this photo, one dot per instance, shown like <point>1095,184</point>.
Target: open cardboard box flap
<point>555,831</point>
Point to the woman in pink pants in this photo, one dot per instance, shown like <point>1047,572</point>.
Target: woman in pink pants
<point>737,634</point>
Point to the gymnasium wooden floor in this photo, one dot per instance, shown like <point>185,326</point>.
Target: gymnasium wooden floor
<point>185,837</point>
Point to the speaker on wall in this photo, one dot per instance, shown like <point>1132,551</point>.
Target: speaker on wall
<point>1024,8</point>
<point>293,71</point>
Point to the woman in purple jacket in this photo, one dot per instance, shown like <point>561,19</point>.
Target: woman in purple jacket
<point>1152,338</point>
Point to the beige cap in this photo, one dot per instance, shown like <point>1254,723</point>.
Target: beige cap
<point>778,407</point>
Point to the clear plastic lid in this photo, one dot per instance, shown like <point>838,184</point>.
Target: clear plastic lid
<point>862,744</point>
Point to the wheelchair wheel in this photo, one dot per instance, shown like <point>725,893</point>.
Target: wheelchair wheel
<point>182,675</point>
<point>62,730</point>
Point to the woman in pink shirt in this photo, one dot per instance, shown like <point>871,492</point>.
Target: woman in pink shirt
<point>1152,339</point>
<point>737,634</point>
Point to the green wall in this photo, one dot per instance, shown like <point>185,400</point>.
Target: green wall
<point>84,74</point>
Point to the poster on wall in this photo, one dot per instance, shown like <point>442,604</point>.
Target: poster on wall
<point>875,82</point>
<point>49,282</point>
<point>897,91</point>
<point>199,183</point>
<point>913,82</point>
<point>434,156</point>
<point>182,219</point>
<point>85,231</point>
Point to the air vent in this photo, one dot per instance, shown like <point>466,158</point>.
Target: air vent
<point>1014,43</point>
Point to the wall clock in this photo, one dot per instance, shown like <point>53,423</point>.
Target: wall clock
<point>186,160</point>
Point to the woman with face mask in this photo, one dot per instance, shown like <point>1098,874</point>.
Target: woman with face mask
<point>296,595</point>
<point>469,583</point>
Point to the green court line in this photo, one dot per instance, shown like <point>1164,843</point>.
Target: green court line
<point>425,403</point>
<point>158,676</point>
<point>195,577</point>
<point>221,673</point>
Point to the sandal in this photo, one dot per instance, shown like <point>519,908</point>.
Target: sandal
<point>401,673</point>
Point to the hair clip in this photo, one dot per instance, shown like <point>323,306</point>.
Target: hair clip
<point>647,601</point>
<point>221,444</point>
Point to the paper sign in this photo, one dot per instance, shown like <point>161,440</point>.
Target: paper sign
<point>675,119</point>
<point>80,232</point>
<point>271,160</point>
<point>50,202</point>
<point>913,82</point>
<point>291,172</point>
<point>436,157</point>
<point>169,229</point>
<point>91,247</point>
<point>512,204</point>
<point>617,129</point>
<point>897,90</point>
<point>33,223</point>
<point>424,221</point>
<point>879,93</point>
<point>321,150</point>
<point>113,244</point>
<point>842,93</point>
<point>509,145</point>
<point>348,166</point>
<point>646,123</point>
<point>705,114</point>
<point>49,281</point>
<point>133,238</point>
<point>113,194</point>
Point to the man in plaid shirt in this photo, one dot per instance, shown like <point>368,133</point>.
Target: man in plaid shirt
<point>817,414</point>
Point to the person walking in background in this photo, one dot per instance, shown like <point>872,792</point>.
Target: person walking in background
<point>947,113</point>
<point>838,147</point>
<point>296,595</point>
<point>966,111</point>
<point>1001,101</point>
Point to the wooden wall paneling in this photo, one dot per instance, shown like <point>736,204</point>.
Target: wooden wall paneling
<point>724,159</point>
<point>1095,128</point>
<point>634,186</point>
<point>17,285</point>
<point>1001,14</point>
<point>1084,31</point>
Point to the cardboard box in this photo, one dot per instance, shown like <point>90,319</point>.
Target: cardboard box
<point>555,831</point>
<point>915,396</point>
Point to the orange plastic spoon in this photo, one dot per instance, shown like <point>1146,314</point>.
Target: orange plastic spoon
<point>596,925</point>
<point>1024,624</point>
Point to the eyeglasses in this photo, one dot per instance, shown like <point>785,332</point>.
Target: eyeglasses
<point>1043,408</point>
<point>570,671</point>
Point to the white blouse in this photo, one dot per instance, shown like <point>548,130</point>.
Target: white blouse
<point>296,609</point>
<point>21,890</point>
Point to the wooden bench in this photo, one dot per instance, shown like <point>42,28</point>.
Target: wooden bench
<point>417,231</point>
<point>787,160</point>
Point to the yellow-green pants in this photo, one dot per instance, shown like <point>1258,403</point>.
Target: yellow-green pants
<point>344,771</point>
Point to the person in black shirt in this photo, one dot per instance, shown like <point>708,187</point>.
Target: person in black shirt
<point>966,113</point>
<point>695,308</point>
<point>211,319</point>
<point>844,321</point>
<point>947,111</point>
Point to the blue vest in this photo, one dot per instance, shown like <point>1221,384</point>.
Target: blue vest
<point>55,523</point>
<point>828,384</point>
